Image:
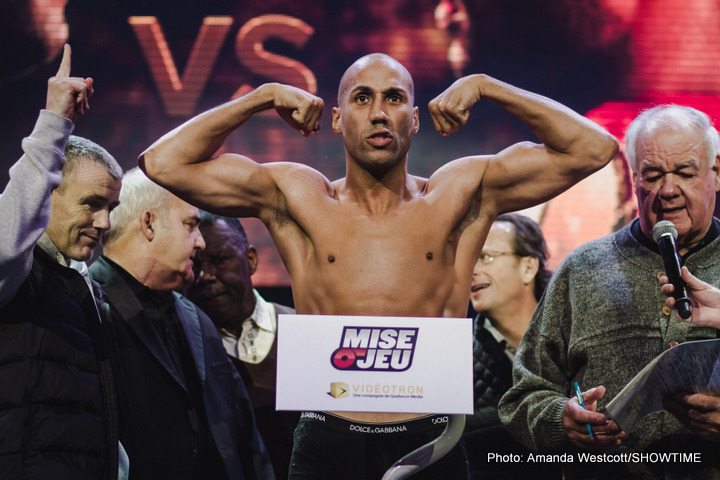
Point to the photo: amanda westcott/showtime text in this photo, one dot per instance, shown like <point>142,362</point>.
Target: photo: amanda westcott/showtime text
<point>587,457</point>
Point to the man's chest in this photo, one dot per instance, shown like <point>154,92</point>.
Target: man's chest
<point>403,238</point>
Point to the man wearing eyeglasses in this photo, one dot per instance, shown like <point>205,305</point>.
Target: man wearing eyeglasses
<point>508,280</point>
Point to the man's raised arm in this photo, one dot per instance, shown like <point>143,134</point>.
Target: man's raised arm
<point>182,162</point>
<point>25,202</point>
<point>526,174</point>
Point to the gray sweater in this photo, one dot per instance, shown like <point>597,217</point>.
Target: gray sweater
<point>25,202</point>
<point>600,321</point>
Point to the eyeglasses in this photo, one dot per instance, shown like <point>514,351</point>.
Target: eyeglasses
<point>487,256</point>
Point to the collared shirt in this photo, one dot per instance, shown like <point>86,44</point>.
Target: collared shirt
<point>509,349</point>
<point>258,334</point>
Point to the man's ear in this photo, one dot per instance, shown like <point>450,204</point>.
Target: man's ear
<point>336,120</point>
<point>530,267</point>
<point>252,258</point>
<point>416,120</point>
<point>147,222</point>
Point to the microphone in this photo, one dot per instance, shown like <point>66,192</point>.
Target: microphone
<point>665,234</point>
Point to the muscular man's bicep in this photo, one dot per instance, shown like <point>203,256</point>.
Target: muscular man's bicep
<point>229,184</point>
<point>525,175</point>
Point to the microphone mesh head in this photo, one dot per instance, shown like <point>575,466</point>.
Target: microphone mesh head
<point>664,227</point>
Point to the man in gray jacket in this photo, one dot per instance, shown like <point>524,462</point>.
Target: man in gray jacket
<point>603,318</point>
<point>58,414</point>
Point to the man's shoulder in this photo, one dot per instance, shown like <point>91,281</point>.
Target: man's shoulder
<point>198,326</point>
<point>596,250</point>
<point>600,243</point>
<point>101,271</point>
<point>290,174</point>
<point>25,296</point>
<point>470,168</point>
<point>188,304</point>
<point>194,312</point>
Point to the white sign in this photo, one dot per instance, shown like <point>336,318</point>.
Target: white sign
<point>374,364</point>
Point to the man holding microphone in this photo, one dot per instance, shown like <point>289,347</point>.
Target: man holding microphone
<point>603,316</point>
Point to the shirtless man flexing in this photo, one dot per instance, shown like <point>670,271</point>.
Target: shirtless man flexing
<point>379,241</point>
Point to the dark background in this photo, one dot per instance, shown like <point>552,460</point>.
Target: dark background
<point>596,56</point>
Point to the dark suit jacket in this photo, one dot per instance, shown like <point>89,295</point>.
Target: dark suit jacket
<point>160,414</point>
<point>276,427</point>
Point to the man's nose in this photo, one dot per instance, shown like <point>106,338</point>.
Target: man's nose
<point>668,187</point>
<point>377,113</point>
<point>101,220</point>
<point>199,241</point>
<point>206,271</point>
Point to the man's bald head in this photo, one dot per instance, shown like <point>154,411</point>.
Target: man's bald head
<point>372,60</point>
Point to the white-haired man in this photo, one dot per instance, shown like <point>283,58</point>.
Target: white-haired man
<point>604,317</point>
<point>189,411</point>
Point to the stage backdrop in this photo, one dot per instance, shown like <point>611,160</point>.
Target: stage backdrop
<point>157,63</point>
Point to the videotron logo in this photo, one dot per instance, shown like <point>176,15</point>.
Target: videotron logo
<point>385,349</point>
<point>339,390</point>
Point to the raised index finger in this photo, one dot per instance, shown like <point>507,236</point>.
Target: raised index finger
<point>64,70</point>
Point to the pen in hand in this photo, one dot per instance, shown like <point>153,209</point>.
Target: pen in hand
<point>578,393</point>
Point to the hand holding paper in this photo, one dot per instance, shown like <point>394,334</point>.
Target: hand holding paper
<point>685,368</point>
<point>699,412</point>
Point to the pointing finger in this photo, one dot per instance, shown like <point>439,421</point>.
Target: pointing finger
<point>64,70</point>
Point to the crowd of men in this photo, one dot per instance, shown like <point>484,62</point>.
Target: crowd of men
<point>158,361</point>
